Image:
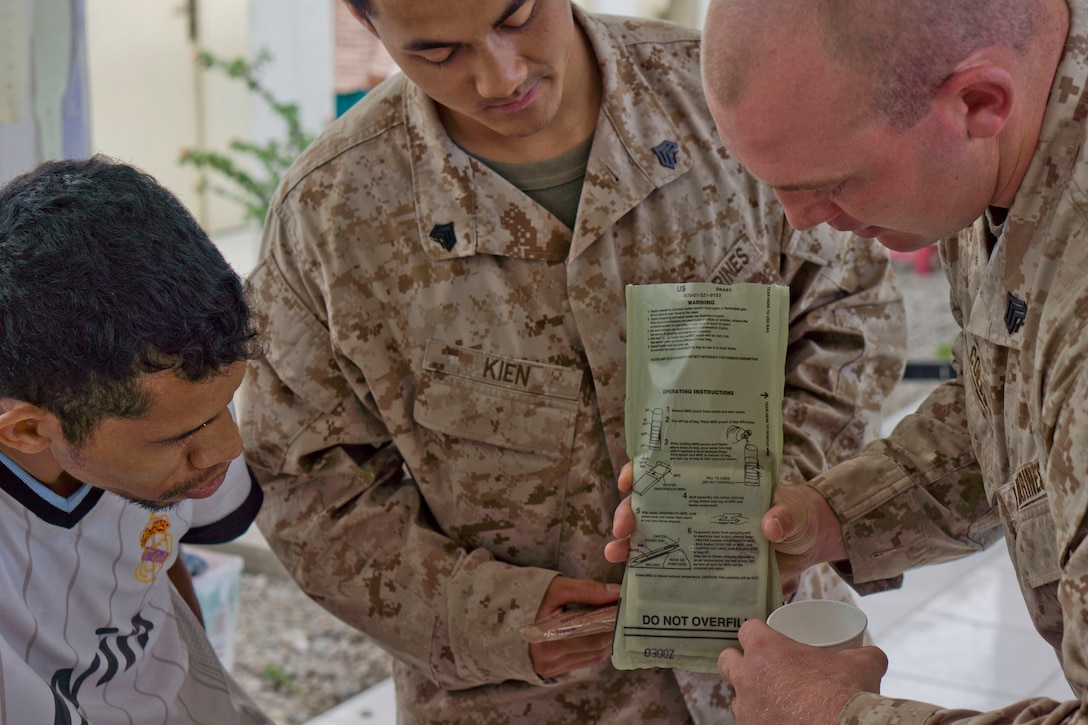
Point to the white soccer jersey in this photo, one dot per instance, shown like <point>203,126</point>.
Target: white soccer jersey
<point>91,630</point>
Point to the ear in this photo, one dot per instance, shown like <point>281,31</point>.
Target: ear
<point>25,427</point>
<point>982,94</point>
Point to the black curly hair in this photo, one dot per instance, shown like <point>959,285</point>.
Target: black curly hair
<point>105,277</point>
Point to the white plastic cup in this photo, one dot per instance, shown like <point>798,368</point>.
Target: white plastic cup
<point>824,623</point>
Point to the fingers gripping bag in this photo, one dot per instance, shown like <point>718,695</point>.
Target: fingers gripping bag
<point>705,378</point>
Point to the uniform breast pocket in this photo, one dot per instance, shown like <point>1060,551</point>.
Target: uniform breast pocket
<point>1033,542</point>
<point>500,400</point>
<point>498,434</point>
<point>519,421</point>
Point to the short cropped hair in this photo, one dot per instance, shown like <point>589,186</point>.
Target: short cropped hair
<point>106,277</point>
<point>905,49</point>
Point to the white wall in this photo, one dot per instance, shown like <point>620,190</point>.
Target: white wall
<point>151,102</point>
<point>298,34</point>
<point>43,84</point>
<point>143,89</point>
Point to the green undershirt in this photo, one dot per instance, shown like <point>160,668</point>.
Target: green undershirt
<point>555,184</point>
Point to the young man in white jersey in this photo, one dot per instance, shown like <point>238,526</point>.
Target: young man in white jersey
<point>123,335</point>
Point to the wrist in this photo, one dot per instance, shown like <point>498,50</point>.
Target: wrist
<point>830,545</point>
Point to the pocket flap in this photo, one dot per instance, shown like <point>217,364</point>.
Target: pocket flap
<point>1035,545</point>
<point>519,404</point>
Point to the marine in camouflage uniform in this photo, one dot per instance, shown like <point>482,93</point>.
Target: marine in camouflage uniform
<point>438,423</point>
<point>1003,448</point>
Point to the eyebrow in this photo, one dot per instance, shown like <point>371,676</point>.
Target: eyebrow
<point>419,45</point>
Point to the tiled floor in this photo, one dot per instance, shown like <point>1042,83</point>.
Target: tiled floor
<point>989,655</point>
<point>956,634</point>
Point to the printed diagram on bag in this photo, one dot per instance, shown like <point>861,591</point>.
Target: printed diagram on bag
<point>659,552</point>
<point>653,476</point>
<point>752,469</point>
<point>673,436</point>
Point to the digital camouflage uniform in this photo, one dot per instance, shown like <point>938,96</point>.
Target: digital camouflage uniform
<point>1005,445</point>
<point>438,423</point>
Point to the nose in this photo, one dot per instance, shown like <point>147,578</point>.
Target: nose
<point>806,209</point>
<point>219,443</point>
<point>499,70</point>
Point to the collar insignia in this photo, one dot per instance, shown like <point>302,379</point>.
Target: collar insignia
<point>666,153</point>
<point>444,235</point>
<point>1015,312</point>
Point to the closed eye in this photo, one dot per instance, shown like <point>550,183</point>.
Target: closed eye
<point>837,189</point>
<point>439,58</point>
<point>182,439</point>
<point>519,19</point>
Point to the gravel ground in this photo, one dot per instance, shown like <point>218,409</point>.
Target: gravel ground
<point>294,658</point>
<point>297,660</point>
